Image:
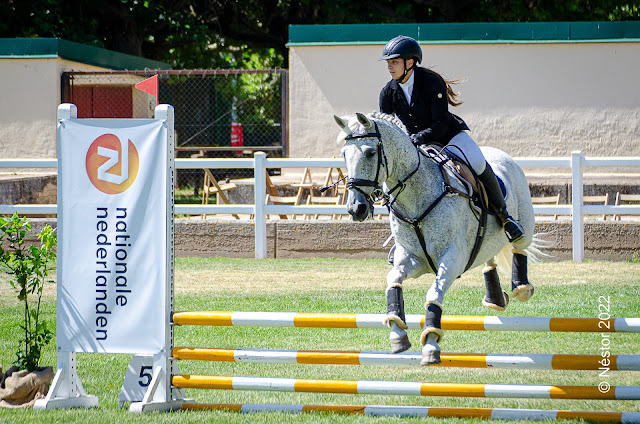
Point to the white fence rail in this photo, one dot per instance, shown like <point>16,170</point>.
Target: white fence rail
<point>260,163</point>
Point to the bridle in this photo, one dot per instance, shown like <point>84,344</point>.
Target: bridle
<point>356,183</point>
<point>378,192</point>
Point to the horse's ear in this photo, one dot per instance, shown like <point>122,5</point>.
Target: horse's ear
<point>340,121</point>
<point>364,121</point>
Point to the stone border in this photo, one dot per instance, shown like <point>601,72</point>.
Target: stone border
<point>604,240</point>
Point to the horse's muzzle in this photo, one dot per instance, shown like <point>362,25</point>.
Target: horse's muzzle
<point>358,206</point>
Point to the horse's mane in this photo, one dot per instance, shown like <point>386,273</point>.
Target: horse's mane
<point>385,118</point>
<point>392,119</point>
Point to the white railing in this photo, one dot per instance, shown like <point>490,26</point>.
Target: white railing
<point>260,163</point>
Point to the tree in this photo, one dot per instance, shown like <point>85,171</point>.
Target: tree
<point>224,34</point>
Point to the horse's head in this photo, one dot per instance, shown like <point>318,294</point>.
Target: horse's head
<point>365,161</point>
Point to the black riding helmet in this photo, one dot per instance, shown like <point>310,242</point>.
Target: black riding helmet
<point>405,48</point>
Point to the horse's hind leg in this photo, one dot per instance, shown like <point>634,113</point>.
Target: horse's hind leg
<point>521,288</point>
<point>396,319</point>
<point>495,298</point>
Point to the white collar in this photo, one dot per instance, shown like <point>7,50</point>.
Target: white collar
<point>409,82</point>
<point>407,87</point>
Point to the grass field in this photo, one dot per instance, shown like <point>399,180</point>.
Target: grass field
<point>563,289</point>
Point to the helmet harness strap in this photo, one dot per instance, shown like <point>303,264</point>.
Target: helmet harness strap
<point>406,71</point>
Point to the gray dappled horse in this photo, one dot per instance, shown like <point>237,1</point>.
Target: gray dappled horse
<point>434,227</point>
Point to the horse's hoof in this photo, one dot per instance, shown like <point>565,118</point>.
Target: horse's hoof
<point>522,292</point>
<point>430,356</point>
<point>493,305</point>
<point>400,345</point>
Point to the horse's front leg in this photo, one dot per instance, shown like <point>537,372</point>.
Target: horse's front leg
<point>448,271</point>
<point>405,266</point>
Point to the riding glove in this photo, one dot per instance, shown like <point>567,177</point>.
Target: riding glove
<point>417,139</point>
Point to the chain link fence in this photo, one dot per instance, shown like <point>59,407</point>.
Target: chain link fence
<point>218,113</point>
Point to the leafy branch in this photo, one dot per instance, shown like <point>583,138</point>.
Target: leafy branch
<point>30,267</point>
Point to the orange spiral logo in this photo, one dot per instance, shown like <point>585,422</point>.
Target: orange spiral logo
<point>112,164</point>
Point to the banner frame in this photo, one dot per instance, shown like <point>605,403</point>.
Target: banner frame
<point>66,390</point>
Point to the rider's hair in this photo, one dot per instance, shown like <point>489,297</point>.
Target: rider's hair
<point>452,96</point>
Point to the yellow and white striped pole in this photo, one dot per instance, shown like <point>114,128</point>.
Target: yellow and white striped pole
<point>408,388</point>
<point>424,411</point>
<point>449,322</point>
<point>460,360</point>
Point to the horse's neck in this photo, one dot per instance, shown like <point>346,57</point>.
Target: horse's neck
<point>422,187</point>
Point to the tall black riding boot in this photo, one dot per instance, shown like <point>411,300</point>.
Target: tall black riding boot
<point>512,229</point>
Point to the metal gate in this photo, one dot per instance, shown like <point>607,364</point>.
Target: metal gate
<point>218,113</point>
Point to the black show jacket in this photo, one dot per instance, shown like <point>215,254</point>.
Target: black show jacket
<point>428,113</point>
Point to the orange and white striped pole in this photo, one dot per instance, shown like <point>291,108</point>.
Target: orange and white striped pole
<point>406,388</point>
<point>449,322</point>
<point>424,411</point>
<point>459,360</point>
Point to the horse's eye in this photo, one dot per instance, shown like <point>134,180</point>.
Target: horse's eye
<point>368,151</point>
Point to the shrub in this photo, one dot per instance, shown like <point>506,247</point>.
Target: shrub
<point>29,266</point>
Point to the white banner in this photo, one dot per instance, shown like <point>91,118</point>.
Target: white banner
<point>112,224</point>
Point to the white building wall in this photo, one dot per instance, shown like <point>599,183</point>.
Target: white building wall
<point>535,99</point>
<point>30,88</point>
<point>30,97</point>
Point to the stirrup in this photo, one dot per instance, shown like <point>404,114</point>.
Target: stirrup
<point>512,229</point>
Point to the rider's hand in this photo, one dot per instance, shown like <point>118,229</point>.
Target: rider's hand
<point>417,139</point>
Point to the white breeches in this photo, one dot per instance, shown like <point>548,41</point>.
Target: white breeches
<point>465,148</point>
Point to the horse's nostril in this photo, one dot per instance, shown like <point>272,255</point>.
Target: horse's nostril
<point>361,209</point>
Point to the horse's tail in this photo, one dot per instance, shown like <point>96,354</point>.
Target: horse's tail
<point>535,253</point>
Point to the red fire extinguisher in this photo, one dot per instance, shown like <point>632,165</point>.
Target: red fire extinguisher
<point>236,136</point>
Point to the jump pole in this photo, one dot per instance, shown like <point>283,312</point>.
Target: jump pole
<point>404,388</point>
<point>424,411</point>
<point>539,361</point>
<point>449,322</point>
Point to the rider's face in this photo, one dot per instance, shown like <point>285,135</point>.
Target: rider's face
<point>396,67</point>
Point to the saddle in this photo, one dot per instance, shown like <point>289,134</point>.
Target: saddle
<point>455,168</point>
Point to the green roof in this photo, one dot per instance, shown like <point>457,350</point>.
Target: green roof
<point>55,48</point>
<point>495,32</point>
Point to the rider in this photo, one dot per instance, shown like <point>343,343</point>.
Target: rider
<point>420,97</point>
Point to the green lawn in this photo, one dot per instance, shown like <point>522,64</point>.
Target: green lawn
<point>563,289</point>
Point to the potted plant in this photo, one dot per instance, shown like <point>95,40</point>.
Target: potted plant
<point>29,266</point>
